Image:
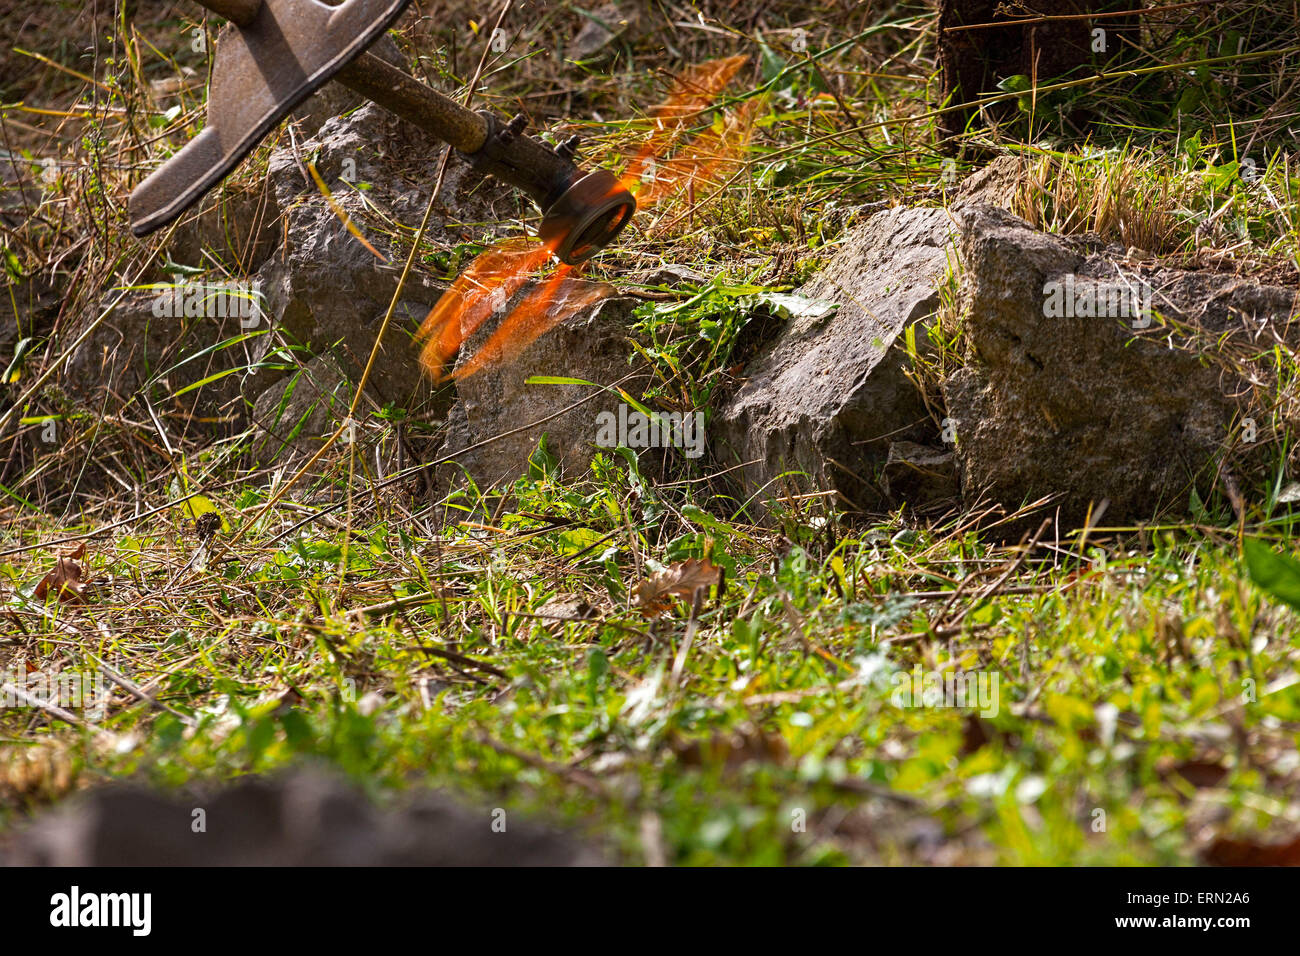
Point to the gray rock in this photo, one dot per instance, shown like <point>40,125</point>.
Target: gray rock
<point>237,225</point>
<point>136,351</point>
<point>295,415</point>
<point>1123,396</point>
<point>1093,408</point>
<point>29,308</point>
<point>20,188</point>
<point>327,293</point>
<point>300,819</point>
<point>673,275</point>
<point>328,300</point>
<point>601,28</point>
<point>484,427</point>
<point>832,393</point>
<point>299,413</point>
<point>29,311</point>
<point>996,184</point>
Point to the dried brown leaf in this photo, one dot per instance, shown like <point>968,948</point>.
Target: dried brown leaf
<point>65,579</point>
<point>1200,772</point>
<point>975,733</point>
<point>682,580</point>
<point>207,525</point>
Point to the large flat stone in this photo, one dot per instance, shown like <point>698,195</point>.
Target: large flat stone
<point>828,398</point>
<point>1134,410</point>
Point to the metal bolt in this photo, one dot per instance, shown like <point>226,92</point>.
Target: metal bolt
<point>518,123</point>
<point>569,148</point>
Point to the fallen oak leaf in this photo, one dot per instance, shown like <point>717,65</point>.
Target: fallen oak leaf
<point>682,579</point>
<point>65,579</point>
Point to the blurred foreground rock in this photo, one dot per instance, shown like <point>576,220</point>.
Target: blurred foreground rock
<point>301,819</point>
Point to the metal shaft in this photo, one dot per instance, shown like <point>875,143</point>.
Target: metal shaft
<point>377,79</point>
<point>495,149</point>
<point>388,86</point>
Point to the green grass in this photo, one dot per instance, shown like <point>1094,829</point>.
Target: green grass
<point>1117,671</point>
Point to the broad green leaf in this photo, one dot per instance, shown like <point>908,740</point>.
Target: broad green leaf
<point>788,305</point>
<point>1277,575</point>
<point>201,505</point>
<point>577,540</point>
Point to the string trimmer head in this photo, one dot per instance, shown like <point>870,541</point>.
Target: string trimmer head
<point>280,52</point>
